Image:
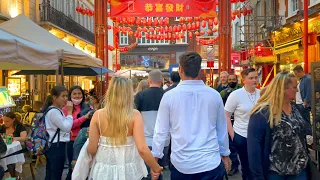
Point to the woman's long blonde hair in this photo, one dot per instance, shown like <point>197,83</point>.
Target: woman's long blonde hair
<point>119,108</point>
<point>272,98</point>
<point>143,84</point>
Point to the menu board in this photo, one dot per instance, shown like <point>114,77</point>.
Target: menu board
<point>14,86</point>
<point>316,103</point>
<point>5,98</point>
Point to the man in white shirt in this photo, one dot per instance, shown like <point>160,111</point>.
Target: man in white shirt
<point>240,103</point>
<point>194,116</point>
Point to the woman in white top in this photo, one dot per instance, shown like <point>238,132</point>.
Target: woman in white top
<point>116,137</point>
<point>240,103</point>
<point>58,127</point>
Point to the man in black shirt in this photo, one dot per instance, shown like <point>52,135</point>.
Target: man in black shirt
<point>147,102</point>
<point>175,78</point>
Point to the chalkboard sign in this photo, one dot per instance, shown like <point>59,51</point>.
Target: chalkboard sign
<point>315,74</point>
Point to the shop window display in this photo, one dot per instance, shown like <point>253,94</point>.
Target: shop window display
<point>142,62</point>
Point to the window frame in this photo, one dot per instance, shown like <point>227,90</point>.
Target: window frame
<point>123,37</point>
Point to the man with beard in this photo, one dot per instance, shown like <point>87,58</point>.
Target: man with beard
<point>232,86</point>
<point>223,81</point>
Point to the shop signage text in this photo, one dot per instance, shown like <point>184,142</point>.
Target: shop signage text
<point>287,36</point>
<point>287,49</point>
<point>163,8</point>
<point>153,49</point>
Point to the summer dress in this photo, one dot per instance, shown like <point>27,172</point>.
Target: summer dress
<point>117,162</point>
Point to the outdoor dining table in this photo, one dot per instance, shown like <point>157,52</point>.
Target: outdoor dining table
<point>18,159</point>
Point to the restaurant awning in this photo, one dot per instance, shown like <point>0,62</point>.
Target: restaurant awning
<point>19,54</point>
<point>25,28</point>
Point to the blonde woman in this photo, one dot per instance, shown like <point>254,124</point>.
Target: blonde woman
<point>116,137</point>
<point>143,84</point>
<point>277,133</point>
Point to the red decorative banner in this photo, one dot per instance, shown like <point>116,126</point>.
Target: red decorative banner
<point>163,8</point>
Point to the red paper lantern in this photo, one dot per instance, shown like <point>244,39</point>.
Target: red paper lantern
<point>209,31</point>
<point>109,27</point>
<point>151,30</point>
<point>184,27</point>
<point>203,23</point>
<point>245,12</point>
<point>158,37</point>
<point>189,27</point>
<point>157,29</point>
<point>197,19</point>
<point>197,24</point>
<point>156,21</point>
<point>130,33</point>
<point>166,21</point>
<point>170,29</point>
<point>210,22</point>
<point>190,35</point>
<point>179,28</point>
<point>181,35</point>
<point>149,22</point>
<point>145,29</point>
<point>173,36</point>
<point>181,20</point>
<point>216,21</point>
<point>138,22</point>
<point>196,33</point>
<point>242,1</point>
<point>214,30</point>
<point>166,29</point>
<point>233,17</point>
<point>77,8</point>
<point>175,28</point>
<point>161,21</point>
<point>193,26</point>
<point>190,19</point>
<point>202,33</point>
<point>154,36</point>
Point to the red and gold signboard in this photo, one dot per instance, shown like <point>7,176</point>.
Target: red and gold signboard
<point>164,8</point>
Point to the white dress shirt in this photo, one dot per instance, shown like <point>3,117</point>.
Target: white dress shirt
<point>194,116</point>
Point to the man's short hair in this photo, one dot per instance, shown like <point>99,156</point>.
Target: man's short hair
<point>246,72</point>
<point>175,77</point>
<point>233,75</point>
<point>155,76</point>
<point>224,72</point>
<point>191,64</point>
<point>298,68</point>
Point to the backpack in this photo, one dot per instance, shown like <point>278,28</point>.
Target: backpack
<point>38,139</point>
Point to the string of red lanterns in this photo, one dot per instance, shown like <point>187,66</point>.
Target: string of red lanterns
<point>84,11</point>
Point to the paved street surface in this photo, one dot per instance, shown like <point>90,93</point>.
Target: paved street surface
<point>40,173</point>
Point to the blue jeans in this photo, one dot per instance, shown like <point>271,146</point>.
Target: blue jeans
<point>215,174</point>
<point>233,155</point>
<point>241,145</point>
<point>275,176</point>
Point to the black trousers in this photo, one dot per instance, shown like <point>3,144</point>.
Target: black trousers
<point>70,158</point>
<point>56,157</point>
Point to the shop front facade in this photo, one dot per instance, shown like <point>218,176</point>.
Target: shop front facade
<point>148,57</point>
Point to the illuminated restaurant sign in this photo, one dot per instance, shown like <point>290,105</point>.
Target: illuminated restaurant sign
<point>287,36</point>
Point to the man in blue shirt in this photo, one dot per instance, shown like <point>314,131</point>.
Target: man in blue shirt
<point>194,116</point>
<point>305,90</point>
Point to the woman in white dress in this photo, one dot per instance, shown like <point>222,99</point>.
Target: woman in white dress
<point>116,137</point>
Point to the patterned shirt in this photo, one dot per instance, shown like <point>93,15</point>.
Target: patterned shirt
<point>288,146</point>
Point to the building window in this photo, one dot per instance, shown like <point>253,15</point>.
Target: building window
<point>177,19</point>
<point>144,40</point>
<point>313,2</point>
<point>183,40</point>
<point>293,7</point>
<point>123,38</point>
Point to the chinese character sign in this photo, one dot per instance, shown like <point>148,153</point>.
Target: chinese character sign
<point>166,8</point>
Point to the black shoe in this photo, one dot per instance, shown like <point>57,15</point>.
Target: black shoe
<point>233,172</point>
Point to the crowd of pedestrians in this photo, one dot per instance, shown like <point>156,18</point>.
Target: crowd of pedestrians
<point>195,131</point>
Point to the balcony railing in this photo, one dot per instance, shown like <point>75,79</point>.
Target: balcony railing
<point>58,18</point>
